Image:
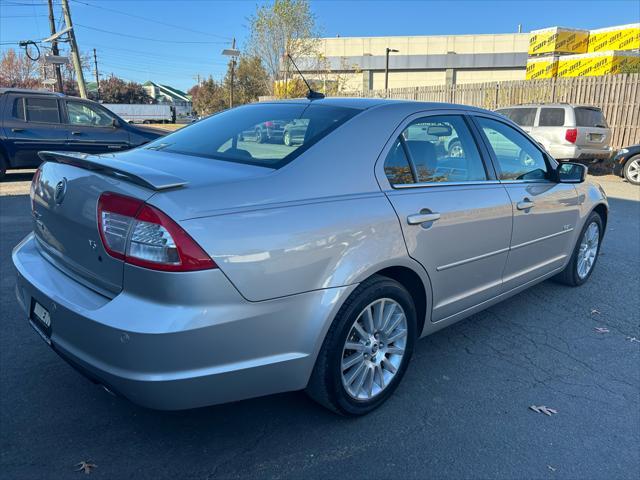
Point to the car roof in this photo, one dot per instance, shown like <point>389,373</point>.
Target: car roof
<point>30,91</point>
<point>363,103</point>
<point>556,105</point>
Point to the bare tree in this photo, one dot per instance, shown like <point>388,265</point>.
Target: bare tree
<point>18,71</point>
<point>281,28</point>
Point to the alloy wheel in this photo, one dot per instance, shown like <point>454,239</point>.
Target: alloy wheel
<point>633,170</point>
<point>374,349</point>
<point>588,249</point>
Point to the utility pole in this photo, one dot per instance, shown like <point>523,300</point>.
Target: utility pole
<point>233,53</point>
<point>233,66</point>
<point>95,62</point>
<point>54,47</point>
<point>75,55</point>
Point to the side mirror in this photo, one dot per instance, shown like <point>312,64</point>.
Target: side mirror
<point>115,123</point>
<point>572,172</point>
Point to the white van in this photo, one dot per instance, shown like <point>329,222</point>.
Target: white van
<point>567,132</point>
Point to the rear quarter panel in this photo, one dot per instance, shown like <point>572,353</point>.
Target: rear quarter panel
<point>273,252</point>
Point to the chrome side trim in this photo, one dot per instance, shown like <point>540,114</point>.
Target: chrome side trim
<point>445,184</point>
<point>498,252</point>
<point>472,259</point>
<point>546,237</point>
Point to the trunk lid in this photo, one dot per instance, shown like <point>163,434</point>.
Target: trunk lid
<point>65,199</point>
<point>64,209</point>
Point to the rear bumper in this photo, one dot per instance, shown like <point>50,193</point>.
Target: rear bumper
<point>169,355</point>
<point>574,152</point>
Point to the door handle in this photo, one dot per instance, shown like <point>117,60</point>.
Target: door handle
<point>419,218</point>
<point>17,129</point>
<point>525,204</point>
<point>76,133</point>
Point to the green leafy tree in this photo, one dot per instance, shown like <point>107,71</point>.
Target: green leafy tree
<point>250,80</point>
<point>280,28</point>
<point>209,97</point>
<point>116,90</point>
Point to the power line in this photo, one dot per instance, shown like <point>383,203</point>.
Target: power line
<point>146,38</point>
<point>152,20</point>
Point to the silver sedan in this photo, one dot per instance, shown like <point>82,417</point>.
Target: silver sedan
<point>207,267</point>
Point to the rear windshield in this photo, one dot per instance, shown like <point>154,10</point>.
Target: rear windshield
<point>268,135</point>
<point>521,116</point>
<point>590,117</point>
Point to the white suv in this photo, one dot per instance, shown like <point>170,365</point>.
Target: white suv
<point>567,132</point>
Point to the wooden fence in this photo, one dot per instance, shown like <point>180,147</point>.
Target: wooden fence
<point>617,95</point>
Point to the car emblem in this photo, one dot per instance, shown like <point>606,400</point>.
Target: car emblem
<point>61,190</point>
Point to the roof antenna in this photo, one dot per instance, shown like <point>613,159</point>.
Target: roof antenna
<point>312,95</point>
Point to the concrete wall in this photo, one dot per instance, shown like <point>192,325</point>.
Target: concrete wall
<point>424,60</point>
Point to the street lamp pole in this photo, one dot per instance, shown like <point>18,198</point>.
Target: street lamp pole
<point>233,53</point>
<point>386,67</point>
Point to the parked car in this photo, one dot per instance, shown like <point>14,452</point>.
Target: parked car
<point>567,132</point>
<point>626,163</point>
<point>198,270</point>
<point>295,131</point>
<point>33,120</point>
<point>271,131</point>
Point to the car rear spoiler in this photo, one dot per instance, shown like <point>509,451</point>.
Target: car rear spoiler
<point>109,165</point>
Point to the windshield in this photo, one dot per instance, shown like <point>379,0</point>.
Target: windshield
<point>268,135</point>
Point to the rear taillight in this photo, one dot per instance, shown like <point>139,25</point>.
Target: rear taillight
<point>142,235</point>
<point>34,185</point>
<point>571,135</point>
<point>268,124</point>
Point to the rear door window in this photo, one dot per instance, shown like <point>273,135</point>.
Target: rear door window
<point>551,117</point>
<point>254,134</point>
<point>590,117</point>
<point>435,149</point>
<point>522,116</point>
<point>17,109</point>
<point>42,110</point>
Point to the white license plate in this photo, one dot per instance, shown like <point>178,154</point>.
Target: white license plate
<point>42,314</point>
<point>596,137</point>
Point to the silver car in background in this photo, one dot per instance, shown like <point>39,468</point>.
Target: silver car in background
<point>205,267</point>
<point>567,132</point>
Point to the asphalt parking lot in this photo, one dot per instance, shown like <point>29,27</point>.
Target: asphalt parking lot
<point>462,411</point>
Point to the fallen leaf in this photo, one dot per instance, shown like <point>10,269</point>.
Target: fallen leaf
<point>595,311</point>
<point>543,409</point>
<point>602,330</point>
<point>633,339</point>
<point>86,466</point>
<point>551,468</point>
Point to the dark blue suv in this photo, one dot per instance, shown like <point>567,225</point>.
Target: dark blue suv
<point>32,120</point>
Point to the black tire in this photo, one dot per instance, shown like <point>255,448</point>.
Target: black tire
<point>286,139</point>
<point>569,276</point>
<point>3,166</point>
<point>260,137</point>
<point>325,385</point>
<point>626,173</point>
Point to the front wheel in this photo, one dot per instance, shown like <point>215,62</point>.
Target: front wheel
<point>585,254</point>
<point>287,139</point>
<point>367,349</point>
<point>632,170</point>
